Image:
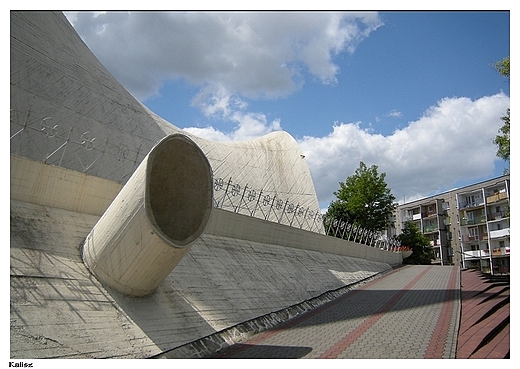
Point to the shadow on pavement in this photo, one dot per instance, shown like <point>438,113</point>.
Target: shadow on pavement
<point>248,351</point>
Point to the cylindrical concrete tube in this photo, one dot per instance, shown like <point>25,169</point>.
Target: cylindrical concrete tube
<point>157,215</point>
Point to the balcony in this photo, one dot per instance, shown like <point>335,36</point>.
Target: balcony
<point>429,215</point>
<point>430,228</point>
<point>497,215</point>
<point>500,251</point>
<point>500,233</point>
<point>466,205</point>
<point>474,237</point>
<point>496,197</point>
<point>474,254</point>
<point>435,243</point>
<point>474,220</point>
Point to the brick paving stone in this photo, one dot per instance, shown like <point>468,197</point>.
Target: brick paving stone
<point>484,323</point>
<point>405,314</point>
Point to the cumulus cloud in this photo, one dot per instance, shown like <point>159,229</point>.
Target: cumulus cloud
<point>246,125</point>
<point>256,54</point>
<point>232,57</point>
<point>451,141</point>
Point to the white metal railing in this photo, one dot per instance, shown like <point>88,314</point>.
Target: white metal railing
<point>476,253</point>
<point>499,233</point>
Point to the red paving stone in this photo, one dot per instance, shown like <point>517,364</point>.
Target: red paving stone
<point>341,345</point>
<point>494,349</point>
<point>483,323</point>
<point>484,326</point>
<point>437,343</point>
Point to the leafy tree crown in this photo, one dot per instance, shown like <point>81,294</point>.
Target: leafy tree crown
<point>364,199</point>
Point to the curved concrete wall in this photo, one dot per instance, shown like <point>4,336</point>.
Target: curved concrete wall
<point>77,137</point>
<point>67,110</point>
<point>59,310</point>
<point>148,228</point>
<point>237,226</point>
<point>50,185</point>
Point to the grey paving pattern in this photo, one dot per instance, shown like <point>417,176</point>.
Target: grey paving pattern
<point>393,317</point>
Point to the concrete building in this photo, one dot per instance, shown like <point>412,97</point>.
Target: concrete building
<point>467,226</point>
<point>130,238</point>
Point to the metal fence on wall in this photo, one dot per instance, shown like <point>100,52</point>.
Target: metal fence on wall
<point>228,194</point>
<point>268,205</point>
<point>232,196</point>
<point>351,232</point>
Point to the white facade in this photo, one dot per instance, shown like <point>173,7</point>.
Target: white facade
<point>485,226</point>
<point>468,225</point>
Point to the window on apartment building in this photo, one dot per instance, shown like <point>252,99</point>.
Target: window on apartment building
<point>473,231</point>
<point>501,244</point>
<point>499,226</point>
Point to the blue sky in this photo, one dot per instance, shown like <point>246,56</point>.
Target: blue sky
<point>412,92</point>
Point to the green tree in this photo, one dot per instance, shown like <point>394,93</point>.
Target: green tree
<point>502,66</point>
<point>502,139</point>
<point>418,243</point>
<point>364,199</point>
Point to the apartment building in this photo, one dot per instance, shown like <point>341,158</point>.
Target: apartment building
<point>468,226</point>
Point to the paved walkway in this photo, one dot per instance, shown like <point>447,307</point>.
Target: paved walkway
<point>412,312</point>
<point>484,331</point>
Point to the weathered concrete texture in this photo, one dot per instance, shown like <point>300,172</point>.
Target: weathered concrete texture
<point>51,185</point>
<point>58,309</point>
<point>86,135</point>
<point>148,228</point>
<point>232,225</point>
<point>71,190</point>
<point>67,110</point>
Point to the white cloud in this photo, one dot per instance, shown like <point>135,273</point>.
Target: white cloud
<point>235,56</point>
<point>257,54</point>
<point>247,126</point>
<point>451,141</point>
<point>215,101</point>
<point>395,114</point>
<point>209,133</point>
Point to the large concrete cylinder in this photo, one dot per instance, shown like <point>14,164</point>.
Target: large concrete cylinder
<point>149,226</point>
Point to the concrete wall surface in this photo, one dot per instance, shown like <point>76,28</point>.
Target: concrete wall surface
<point>154,219</point>
<point>59,310</point>
<point>234,225</point>
<point>77,137</point>
<point>51,185</point>
<point>67,110</point>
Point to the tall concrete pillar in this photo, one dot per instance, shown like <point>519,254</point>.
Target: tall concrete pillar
<point>152,222</point>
